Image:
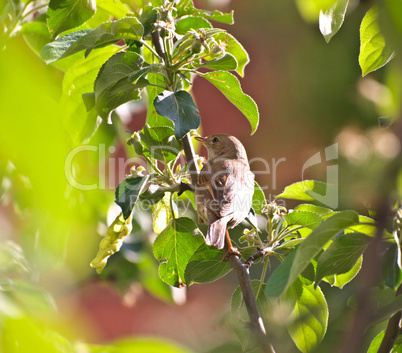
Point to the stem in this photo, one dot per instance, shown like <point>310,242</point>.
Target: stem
<point>152,50</point>
<point>190,157</point>
<point>264,272</point>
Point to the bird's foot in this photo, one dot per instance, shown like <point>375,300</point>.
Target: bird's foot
<point>231,251</point>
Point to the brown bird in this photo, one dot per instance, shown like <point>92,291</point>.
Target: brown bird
<point>224,190</point>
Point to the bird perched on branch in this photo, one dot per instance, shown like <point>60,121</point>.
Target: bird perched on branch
<point>224,190</point>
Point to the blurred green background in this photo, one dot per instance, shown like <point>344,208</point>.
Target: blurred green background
<point>310,94</point>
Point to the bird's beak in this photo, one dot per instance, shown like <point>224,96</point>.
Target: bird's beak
<point>201,139</point>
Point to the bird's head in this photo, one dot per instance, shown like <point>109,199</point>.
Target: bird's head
<point>223,145</point>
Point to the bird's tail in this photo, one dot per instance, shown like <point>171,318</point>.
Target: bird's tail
<point>216,233</point>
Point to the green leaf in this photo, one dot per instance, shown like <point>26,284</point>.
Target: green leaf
<point>341,255</point>
<point>120,80</point>
<point>390,270</point>
<point>374,52</point>
<point>120,65</point>
<point>186,7</point>
<point>309,316</point>
<point>311,190</point>
<point>78,80</point>
<point>128,191</point>
<point>115,8</point>
<point>148,17</point>
<point>185,24</point>
<point>234,48</point>
<point>299,258</point>
<point>344,278</point>
<point>106,33</point>
<point>228,84</point>
<point>322,211</point>
<point>369,229</point>
<point>332,19</point>
<point>206,265</point>
<point>180,108</point>
<point>174,247</point>
<point>303,218</point>
<point>376,342</point>
<point>227,63</point>
<point>160,143</point>
<point>63,15</point>
<point>258,198</point>
<point>161,214</point>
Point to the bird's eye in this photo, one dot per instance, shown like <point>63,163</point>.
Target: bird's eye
<point>215,140</point>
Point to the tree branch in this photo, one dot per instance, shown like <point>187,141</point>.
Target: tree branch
<point>256,323</point>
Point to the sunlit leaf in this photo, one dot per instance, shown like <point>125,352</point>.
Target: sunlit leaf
<point>258,198</point>
<point>309,316</point>
<point>229,85</point>
<point>186,7</point>
<point>185,24</point>
<point>304,218</point>
<point>332,19</point>
<point>233,47</point>
<point>311,190</point>
<point>161,214</point>
<point>374,51</point>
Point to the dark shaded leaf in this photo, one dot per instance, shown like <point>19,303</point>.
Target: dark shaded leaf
<point>128,191</point>
<point>106,33</point>
<point>160,143</point>
<point>63,15</point>
<point>180,108</point>
<point>341,255</point>
<point>206,265</point>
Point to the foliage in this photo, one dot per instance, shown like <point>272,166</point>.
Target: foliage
<point>114,53</point>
